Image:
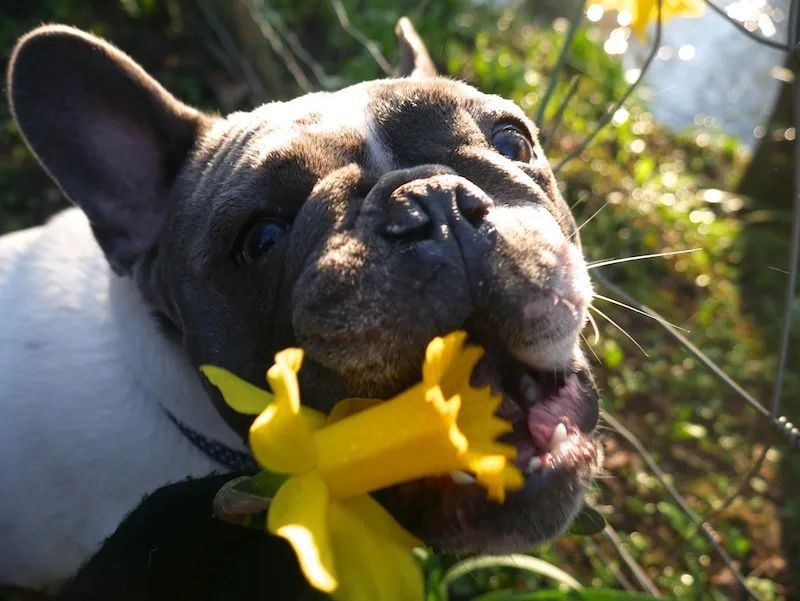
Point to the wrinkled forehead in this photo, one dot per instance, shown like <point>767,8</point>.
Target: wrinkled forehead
<point>284,148</point>
<point>382,119</point>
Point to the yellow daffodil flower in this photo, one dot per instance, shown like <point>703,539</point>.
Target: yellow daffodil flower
<point>346,542</point>
<point>646,11</point>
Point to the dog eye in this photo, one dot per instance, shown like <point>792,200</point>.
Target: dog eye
<point>512,143</point>
<point>259,238</point>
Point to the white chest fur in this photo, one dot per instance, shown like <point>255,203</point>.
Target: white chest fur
<point>84,373</point>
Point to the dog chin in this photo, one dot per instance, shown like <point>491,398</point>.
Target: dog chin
<point>457,517</point>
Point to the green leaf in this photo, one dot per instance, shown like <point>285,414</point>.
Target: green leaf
<point>688,431</point>
<point>519,561</point>
<point>612,354</point>
<point>588,523</point>
<point>585,594</point>
<point>611,594</point>
<point>552,594</point>
<point>643,170</point>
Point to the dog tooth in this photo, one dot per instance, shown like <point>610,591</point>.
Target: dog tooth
<point>529,388</point>
<point>535,464</point>
<point>462,478</point>
<point>571,306</point>
<point>559,436</point>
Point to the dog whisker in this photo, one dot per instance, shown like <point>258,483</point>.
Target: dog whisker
<point>591,350</point>
<point>561,219</point>
<point>593,215</point>
<point>605,262</point>
<point>635,310</point>
<point>594,327</point>
<point>616,325</point>
<point>576,203</point>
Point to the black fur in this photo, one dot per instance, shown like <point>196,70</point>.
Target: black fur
<point>170,548</point>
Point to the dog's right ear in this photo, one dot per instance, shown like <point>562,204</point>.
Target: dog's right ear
<point>110,136</point>
<point>416,61</point>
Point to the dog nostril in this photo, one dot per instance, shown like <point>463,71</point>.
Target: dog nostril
<point>407,218</point>
<point>473,206</point>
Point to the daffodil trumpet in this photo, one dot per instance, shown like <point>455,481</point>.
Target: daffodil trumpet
<point>348,544</point>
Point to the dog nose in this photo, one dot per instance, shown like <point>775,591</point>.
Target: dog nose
<point>407,218</point>
<point>419,207</point>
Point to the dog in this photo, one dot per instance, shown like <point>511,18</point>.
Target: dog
<point>357,224</point>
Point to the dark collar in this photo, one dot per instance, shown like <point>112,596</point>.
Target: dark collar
<point>235,461</point>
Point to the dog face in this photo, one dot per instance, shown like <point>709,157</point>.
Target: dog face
<point>358,225</point>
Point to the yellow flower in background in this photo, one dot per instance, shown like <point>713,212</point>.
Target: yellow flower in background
<point>346,542</point>
<point>644,12</point>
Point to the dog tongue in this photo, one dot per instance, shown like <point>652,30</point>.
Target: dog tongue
<point>548,420</point>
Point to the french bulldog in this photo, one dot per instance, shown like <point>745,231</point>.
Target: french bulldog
<point>357,224</point>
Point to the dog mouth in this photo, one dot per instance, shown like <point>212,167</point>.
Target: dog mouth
<point>553,414</point>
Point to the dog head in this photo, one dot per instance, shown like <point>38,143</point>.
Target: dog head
<point>356,224</point>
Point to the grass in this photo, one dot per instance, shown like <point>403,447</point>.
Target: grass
<point>660,192</point>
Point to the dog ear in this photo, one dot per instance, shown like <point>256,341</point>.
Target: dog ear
<point>109,135</point>
<point>416,62</point>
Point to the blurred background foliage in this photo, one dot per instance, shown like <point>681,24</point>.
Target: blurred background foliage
<point>659,191</point>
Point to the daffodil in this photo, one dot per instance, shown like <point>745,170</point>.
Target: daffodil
<point>644,12</point>
<point>348,544</point>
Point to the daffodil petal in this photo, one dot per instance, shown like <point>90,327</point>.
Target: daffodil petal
<point>380,521</point>
<point>281,440</point>
<point>281,437</point>
<point>370,566</point>
<point>495,473</point>
<point>646,11</point>
<point>242,396</point>
<point>439,356</point>
<point>477,419</point>
<point>299,512</point>
<point>282,377</point>
<point>684,8</point>
<point>488,459</point>
<point>460,370</point>
<point>348,407</point>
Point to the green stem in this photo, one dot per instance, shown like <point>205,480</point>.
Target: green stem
<point>263,484</point>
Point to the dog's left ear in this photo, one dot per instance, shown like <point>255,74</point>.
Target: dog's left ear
<point>416,61</point>
<point>110,136</point>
